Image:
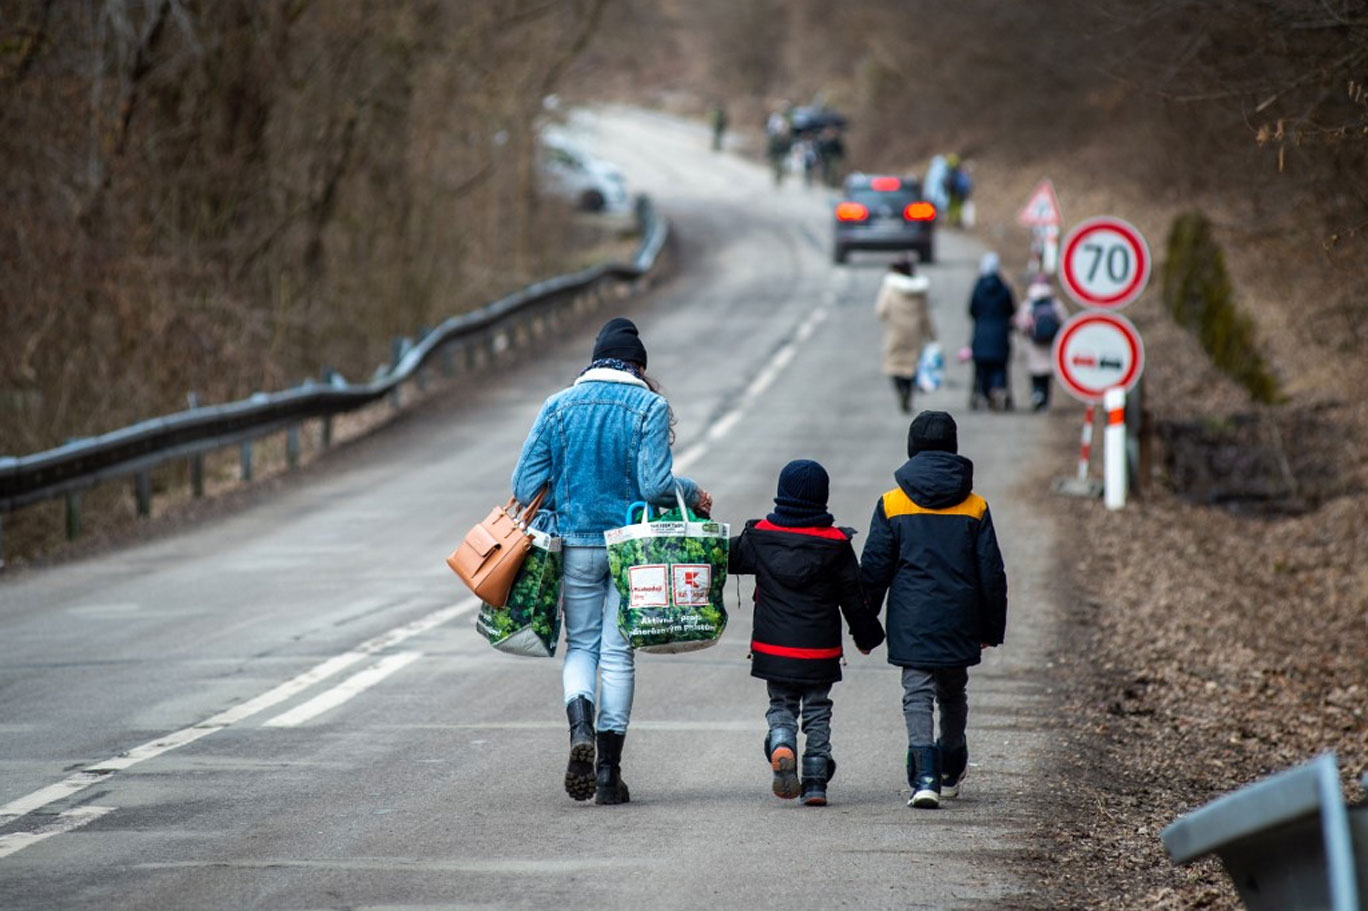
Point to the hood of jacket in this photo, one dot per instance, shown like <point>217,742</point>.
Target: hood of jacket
<point>787,554</point>
<point>936,480</point>
<point>907,284</point>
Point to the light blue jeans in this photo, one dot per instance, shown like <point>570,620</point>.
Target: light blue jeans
<point>593,643</point>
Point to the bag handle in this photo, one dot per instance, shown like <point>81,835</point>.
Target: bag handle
<point>524,515</point>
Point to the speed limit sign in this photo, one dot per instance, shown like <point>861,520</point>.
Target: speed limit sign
<point>1105,263</point>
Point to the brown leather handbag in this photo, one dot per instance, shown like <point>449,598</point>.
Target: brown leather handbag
<point>490,555</point>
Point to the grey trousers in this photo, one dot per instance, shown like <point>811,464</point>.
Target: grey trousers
<point>923,688</point>
<point>812,703</point>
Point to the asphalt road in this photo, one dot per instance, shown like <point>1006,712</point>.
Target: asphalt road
<point>288,708</point>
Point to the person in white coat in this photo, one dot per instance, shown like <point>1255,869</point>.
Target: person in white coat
<point>903,308</point>
<point>1039,319</point>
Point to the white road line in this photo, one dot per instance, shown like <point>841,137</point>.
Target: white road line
<point>335,665</point>
<point>763,380</point>
<point>352,686</point>
<point>64,822</point>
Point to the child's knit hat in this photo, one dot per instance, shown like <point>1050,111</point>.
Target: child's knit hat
<point>932,431</point>
<point>801,500</point>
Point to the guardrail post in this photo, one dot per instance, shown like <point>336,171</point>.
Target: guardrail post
<point>73,516</point>
<point>197,474</point>
<point>292,446</point>
<point>142,492</point>
<point>246,458</point>
<point>2,541</point>
<point>327,430</point>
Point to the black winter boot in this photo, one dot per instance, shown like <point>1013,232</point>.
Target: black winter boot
<point>924,776</point>
<point>610,788</point>
<point>954,765</point>
<point>817,771</point>
<point>781,749</point>
<point>579,771</point>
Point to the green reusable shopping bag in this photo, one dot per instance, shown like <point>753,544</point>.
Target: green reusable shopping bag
<point>530,623</point>
<point>670,572</point>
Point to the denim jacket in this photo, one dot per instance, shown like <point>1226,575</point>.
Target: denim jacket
<point>603,444</point>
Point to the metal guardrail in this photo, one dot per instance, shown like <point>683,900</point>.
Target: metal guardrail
<point>134,450</point>
<point>1288,842</point>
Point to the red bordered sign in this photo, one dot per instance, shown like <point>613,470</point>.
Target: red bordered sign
<point>1096,351</point>
<point>1105,263</point>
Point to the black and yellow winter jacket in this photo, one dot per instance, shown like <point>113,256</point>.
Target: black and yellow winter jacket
<point>933,552</point>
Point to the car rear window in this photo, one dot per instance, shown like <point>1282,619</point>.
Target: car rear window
<point>896,198</point>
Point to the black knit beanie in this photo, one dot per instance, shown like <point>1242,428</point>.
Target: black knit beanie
<point>802,496</point>
<point>932,431</point>
<point>619,339</point>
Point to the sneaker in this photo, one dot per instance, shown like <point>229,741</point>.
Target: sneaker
<point>954,766</point>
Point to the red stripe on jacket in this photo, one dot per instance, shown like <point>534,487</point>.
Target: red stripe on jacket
<point>828,531</point>
<point>784,651</point>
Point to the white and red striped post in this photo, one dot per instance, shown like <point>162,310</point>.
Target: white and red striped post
<point>1114,448</point>
<point>1085,446</point>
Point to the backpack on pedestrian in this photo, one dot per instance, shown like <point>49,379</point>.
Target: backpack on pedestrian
<point>1044,321</point>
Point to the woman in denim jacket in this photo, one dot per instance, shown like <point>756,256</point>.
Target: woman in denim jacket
<point>601,445</point>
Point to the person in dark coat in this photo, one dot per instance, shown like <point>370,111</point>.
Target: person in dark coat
<point>933,552</point>
<point>992,307</point>
<point>806,576</point>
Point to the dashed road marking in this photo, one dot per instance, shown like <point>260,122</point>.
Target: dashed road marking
<point>347,689</point>
<point>63,822</point>
<point>101,771</point>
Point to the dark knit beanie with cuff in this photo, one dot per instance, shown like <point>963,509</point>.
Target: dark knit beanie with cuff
<point>932,431</point>
<point>802,496</point>
<point>618,339</point>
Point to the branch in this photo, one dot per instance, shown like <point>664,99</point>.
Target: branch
<point>577,46</point>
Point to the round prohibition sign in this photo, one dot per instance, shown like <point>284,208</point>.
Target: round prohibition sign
<point>1105,263</point>
<point>1096,351</point>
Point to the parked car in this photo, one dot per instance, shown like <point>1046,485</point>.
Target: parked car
<point>882,212</point>
<point>571,172</point>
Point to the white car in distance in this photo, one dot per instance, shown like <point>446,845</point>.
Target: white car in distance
<point>591,183</point>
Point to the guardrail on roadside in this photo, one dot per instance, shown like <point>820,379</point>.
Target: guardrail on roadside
<point>1288,842</point>
<point>135,450</point>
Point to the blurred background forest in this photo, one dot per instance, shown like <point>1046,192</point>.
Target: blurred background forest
<point>225,197</point>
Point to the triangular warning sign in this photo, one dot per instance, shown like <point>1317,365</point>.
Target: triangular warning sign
<point>1042,209</point>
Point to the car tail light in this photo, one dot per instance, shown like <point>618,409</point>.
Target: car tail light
<point>885,184</point>
<point>851,211</point>
<point>920,211</point>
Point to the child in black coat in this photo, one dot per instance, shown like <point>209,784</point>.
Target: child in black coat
<point>806,577</point>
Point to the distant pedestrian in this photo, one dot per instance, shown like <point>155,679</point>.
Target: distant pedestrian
<point>806,577</point>
<point>903,309</point>
<point>992,307</point>
<point>718,117</point>
<point>933,552</point>
<point>1039,320</point>
<point>778,142</point>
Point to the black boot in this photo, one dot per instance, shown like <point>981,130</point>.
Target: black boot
<point>579,771</point>
<point>610,786</point>
<point>954,764</point>
<point>817,771</point>
<point>924,776</point>
<point>781,749</point>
